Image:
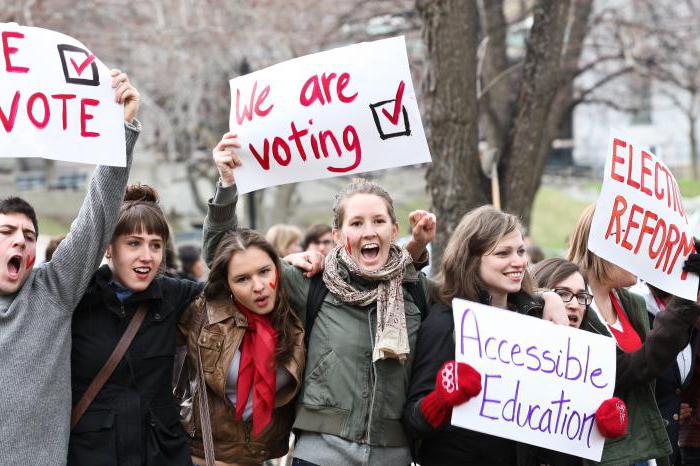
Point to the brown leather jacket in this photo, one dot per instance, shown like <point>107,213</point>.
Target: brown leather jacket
<point>219,340</point>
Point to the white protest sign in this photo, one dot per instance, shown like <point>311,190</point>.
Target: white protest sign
<point>56,100</point>
<point>344,111</point>
<point>639,221</point>
<point>541,383</point>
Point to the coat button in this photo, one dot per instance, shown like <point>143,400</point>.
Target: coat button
<point>675,417</point>
<point>368,354</point>
<point>365,394</point>
<point>156,316</point>
<point>678,391</point>
<point>153,423</point>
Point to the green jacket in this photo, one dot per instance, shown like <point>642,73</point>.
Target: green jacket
<point>343,392</point>
<point>646,436</point>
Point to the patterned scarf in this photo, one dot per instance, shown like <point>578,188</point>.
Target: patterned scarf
<point>257,369</point>
<point>391,340</point>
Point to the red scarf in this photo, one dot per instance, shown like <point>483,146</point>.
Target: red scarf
<point>628,340</point>
<point>257,370</point>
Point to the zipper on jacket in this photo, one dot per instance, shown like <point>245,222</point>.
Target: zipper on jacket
<point>373,378</point>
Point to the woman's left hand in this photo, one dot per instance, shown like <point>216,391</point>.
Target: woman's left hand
<point>311,262</point>
<point>126,94</point>
<point>423,224</point>
<point>554,308</point>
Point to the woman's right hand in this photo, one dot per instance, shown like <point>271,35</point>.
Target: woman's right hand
<point>554,309</point>
<point>226,159</point>
<point>455,384</point>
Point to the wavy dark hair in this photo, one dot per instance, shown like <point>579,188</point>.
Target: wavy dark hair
<point>282,317</point>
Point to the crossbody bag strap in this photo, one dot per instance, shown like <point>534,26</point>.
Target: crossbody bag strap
<point>204,414</point>
<point>111,364</point>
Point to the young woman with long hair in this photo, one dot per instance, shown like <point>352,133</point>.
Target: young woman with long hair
<point>360,348</point>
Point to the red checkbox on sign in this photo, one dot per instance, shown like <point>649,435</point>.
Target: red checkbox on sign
<point>79,65</point>
<point>391,117</point>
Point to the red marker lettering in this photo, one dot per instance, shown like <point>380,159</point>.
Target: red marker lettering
<point>254,105</point>
<point>9,123</point>
<point>630,181</point>
<point>7,51</point>
<point>30,110</point>
<point>84,117</point>
<point>64,98</point>
<point>617,159</point>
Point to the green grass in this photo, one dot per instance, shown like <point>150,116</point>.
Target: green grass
<point>52,227</point>
<point>554,215</point>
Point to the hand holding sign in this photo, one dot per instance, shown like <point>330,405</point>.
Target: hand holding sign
<point>455,384</point>
<point>225,159</point>
<point>125,94</point>
<point>53,103</point>
<point>611,418</point>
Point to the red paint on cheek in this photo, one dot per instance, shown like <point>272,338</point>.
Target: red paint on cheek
<point>273,283</point>
<point>348,248</point>
<point>30,261</point>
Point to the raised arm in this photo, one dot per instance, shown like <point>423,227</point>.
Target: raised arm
<point>80,253</point>
<point>669,335</point>
<point>221,211</point>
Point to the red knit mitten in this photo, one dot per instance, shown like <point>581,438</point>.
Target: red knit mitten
<point>452,388</point>
<point>611,418</point>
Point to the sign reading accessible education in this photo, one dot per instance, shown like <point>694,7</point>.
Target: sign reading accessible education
<point>344,111</point>
<point>56,100</point>
<point>640,223</point>
<point>541,383</point>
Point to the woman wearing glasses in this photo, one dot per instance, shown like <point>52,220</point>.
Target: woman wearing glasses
<point>484,261</point>
<point>642,355</point>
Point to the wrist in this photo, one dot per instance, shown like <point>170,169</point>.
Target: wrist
<point>226,183</point>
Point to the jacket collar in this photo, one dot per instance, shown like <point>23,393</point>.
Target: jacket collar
<point>100,290</point>
<point>220,309</point>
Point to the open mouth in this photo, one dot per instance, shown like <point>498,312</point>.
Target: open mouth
<point>573,320</point>
<point>516,276</point>
<point>370,251</point>
<point>14,265</point>
<point>261,301</point>
<point>142,272</point>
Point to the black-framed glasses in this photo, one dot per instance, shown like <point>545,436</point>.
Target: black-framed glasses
<point>583,298</point>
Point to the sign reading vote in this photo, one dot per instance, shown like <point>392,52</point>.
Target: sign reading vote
<point>56,99</point>
<point>640,223</point>
<point>541,383</point>
<point>344,111</point>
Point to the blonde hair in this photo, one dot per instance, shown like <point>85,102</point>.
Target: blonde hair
<point>282,236</point>
<point>592,266</point>
<point>361,186</point>
<point>477,234</point>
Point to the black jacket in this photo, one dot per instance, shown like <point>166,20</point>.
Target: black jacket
<point>134,420</point>
<point>449,445</point>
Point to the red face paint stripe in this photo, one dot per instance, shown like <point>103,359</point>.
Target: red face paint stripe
<point>30,262</point>
<point>273,283</point>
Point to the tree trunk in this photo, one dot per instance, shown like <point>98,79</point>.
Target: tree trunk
<point>693,140</point>
<point>454,179</point>
<point>496,83</point>
<point>521,164</point>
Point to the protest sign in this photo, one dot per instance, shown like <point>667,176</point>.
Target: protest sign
<point>56,100</point>
<point>541,383</point>
<point>339,112</point>
<point>639,222</point>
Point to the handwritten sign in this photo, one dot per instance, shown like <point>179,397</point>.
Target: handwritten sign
<point>340,112</point>
<point>56,99</point>
<point>640,223</point>
<point>541,383</point>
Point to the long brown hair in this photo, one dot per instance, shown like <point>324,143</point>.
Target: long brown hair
<point>592,266</point>
<point>282,317</point>
<point>477,234</point>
